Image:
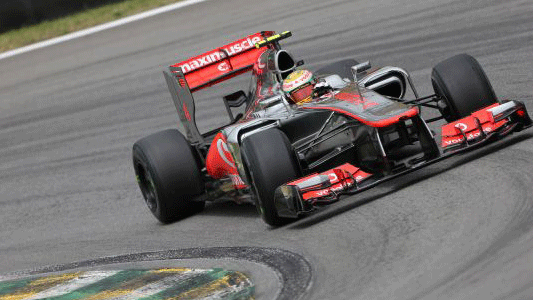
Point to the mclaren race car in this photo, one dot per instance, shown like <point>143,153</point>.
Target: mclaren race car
<point>289,159</point>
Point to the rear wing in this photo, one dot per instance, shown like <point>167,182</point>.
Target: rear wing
<point>207,69</point>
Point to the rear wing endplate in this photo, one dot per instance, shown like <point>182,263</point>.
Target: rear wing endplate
<point>207,69</point>
<point>184,102</point>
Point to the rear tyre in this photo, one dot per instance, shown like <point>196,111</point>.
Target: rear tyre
<point>270,162</point>
<point>341,68</point>
<point>463,86</point>
<point>168,175</point>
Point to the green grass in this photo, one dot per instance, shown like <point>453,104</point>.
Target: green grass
<point>81,20</point>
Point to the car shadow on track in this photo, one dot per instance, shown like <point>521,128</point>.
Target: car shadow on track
<point>400,183</point>
<point>230,209</point>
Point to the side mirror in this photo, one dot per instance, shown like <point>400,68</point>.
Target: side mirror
<point>357,69</point>
<point>360,68</point>
<point>235,99</point>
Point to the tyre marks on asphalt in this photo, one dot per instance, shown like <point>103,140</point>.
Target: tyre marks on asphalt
<point>175,283</point>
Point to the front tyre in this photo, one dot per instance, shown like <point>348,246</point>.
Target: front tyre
<point>270,162</point>
<point>463,86</point>
<point>168,175</point>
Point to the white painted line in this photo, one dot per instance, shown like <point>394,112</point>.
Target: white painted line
<point>83,280</point>
<point>161,285</point>
<point>99,28</point>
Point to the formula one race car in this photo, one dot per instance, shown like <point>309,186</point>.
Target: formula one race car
<point>290,158</point>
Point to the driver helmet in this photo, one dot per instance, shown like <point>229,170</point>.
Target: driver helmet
<point>298,86</point>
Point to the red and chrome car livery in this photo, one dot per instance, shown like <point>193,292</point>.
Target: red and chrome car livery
<point>291,159</point>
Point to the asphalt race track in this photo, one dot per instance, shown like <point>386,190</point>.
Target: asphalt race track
<point>459,229</point>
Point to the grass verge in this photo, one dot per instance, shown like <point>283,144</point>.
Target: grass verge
<point>91,17</point>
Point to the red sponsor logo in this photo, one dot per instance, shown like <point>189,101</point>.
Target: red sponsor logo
<point>455,132</point>
<point>339,178</point>
<point>210,58</point>
<point>224,153</point>
<point>461,126</point>
<point>223,67</point>
<point>187,115</point>
<point>470,136</point>
<point>219,162</point>
<point>336,188</point>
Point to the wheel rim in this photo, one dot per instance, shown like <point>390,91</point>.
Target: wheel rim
<point>146,183</point>
<point>447,110</point>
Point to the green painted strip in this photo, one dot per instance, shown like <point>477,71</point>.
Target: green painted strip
<point>9,287</point>
<point>109,283</point>
<point>77,281</point>
<point>157,286</point>
<point>188,284</point>
<point>219,288</point>
<point>145,279</point>
<point>132,284</point>
<point>37,285</point>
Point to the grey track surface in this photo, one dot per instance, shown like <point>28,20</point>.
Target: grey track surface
<point>460,229</point>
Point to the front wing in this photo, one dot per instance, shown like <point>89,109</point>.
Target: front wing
<point>307,194</point>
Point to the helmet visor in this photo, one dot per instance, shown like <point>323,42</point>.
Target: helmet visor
<point>302,94</point>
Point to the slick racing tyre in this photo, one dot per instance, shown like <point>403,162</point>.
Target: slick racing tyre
<point>341,68</point>
<point>463,86</point>
<point>168,175</point>
<point>270,162</point>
